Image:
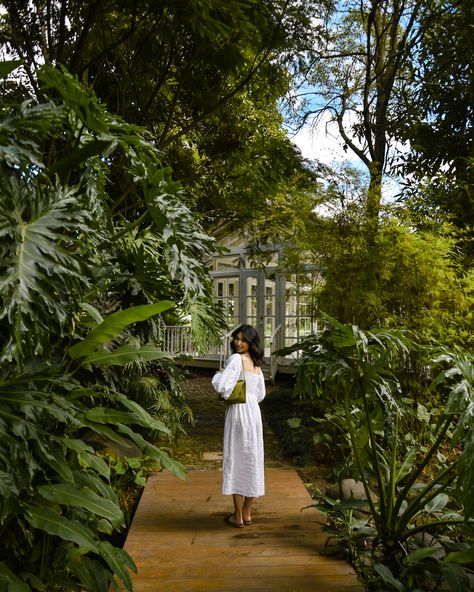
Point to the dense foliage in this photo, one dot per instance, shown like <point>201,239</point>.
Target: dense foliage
<point>203,77</point>
<point>421,487</point>
<point>439,121</point>
<point>81,290</point>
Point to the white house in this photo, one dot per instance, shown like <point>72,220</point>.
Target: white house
<point>253,286</point>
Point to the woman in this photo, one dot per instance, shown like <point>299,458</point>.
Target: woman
<point>242,468</point>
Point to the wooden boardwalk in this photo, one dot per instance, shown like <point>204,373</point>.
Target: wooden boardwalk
<point>181,543</point>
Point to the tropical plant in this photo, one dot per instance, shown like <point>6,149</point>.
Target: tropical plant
<point>408,500</point>
<point>74,315</point>
<point>204,78</point>
<point>57,503</point>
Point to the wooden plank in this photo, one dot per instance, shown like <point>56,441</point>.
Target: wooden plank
<point>181,543</point>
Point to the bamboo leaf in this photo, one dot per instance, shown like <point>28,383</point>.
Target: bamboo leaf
<point>114,324</point>
<point>57,525</point>
<point>69,495</point>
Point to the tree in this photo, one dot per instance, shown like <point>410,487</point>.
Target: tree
<point>355,78</point>
<point>439,120</point>
<point>203,77</point>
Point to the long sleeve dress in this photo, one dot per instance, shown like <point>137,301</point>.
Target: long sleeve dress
<point>243,460</point>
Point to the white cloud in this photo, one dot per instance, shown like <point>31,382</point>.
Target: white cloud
<point>321,141</point>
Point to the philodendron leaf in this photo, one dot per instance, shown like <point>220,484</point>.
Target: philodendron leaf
<point>64,166</point>
<point>69,495</point>
<point>114,324</point>
<point>125,354</point>
<point>57,525</point>
<point>9,581</point>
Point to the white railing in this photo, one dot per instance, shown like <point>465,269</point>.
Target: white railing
<point>224,348</point>
<point>178,340</point>
<point>274,346</point>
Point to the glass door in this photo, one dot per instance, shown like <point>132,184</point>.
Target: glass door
<point>260,309</point>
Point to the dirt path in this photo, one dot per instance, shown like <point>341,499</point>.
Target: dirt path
<point>201,447</point>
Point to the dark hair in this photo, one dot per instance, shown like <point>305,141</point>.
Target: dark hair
<point>252,338</point>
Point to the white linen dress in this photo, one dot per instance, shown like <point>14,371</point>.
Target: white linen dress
<point>243,461</point>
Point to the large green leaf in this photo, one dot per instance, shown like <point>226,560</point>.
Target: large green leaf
<point>405,466</point>
<point>111,416</point>
<point>90,572</point>
<point>68,495</point>
<point>95,314</point>
<point>119,562</point>
<point>9,582</point>
<point>464,556</point>
<point>155,453</point>
<point>387,576</point>
<point>125,354</point>
<point>114,324</point>
<point>57,525</point>
<point>455,576</point>
<point>95,462</point>
<point>84,104</point>
<point>7,66</point>
<point>35,223</point>
<point>138,415</point>
<point>61,467</point>
<point>64,166</point>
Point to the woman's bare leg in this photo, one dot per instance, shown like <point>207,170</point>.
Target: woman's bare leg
<point>246,509</point>
<point>238,506</point>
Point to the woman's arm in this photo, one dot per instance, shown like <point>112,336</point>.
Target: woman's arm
<point>225,380</point>
<point>261,388</point>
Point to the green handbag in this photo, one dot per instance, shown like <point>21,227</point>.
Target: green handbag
<point>238,394</point>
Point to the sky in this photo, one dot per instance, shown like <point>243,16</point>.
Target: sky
<point>323,143</point>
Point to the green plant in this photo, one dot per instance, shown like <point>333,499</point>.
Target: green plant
<point>66,336</point>
<point>408,501</point>
<point>57,500</point>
